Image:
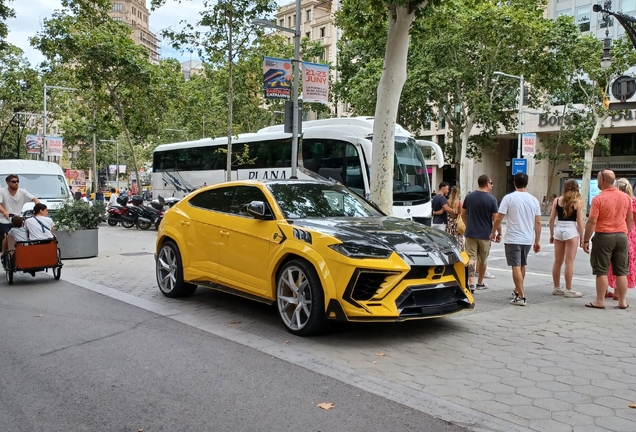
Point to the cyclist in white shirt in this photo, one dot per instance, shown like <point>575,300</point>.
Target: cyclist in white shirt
<point>12,199</point>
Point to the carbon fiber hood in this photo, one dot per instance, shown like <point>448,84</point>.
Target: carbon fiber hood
<point>416,244</point>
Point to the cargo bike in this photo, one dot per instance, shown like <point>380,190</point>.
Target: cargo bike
<point>31,257</point>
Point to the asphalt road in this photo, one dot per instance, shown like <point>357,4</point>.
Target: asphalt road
<point>74,360</point>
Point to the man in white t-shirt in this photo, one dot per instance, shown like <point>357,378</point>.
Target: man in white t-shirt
<point>12,199</point>
<point>40,226</point>
<point>113,197</point>
<point>523,230</point>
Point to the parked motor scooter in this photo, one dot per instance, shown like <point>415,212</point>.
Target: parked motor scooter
<point>119,213</point>
<point>146,216</point>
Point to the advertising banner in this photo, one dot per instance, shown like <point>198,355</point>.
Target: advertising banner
<point>277,78</point>
<point>315,83</point>
<point>528,143</point>
<point>33,144</point>
<point>113,168</point>
<point>54,146</point>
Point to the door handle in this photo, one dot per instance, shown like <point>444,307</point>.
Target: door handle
<point>225,233</point>
<point>185,223</point>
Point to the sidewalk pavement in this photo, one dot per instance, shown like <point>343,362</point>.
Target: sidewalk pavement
<point>551,366</point>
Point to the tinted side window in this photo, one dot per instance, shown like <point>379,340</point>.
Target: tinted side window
<point>218,200</point>
<point>333,159</point>
<point>164,161</point>
<point>263,154</point>
<point>243,196</point>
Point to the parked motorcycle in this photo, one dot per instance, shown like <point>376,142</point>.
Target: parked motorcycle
<point>119,213</point>
<point>146,216</point>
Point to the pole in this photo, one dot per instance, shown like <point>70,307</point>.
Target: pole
<point>294,153</point>
<point>95,176</point>
<point>519,125</point>
<point>44,149</point>
<point>117,169</point>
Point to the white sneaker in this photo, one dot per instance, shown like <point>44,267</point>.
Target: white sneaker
<point>573,294</point>
<point>558,291</point>
<point>487,275</point>
<point>518,301</point>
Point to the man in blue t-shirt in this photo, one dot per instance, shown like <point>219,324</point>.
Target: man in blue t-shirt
<point>441,208</point>
<point>478,212</point>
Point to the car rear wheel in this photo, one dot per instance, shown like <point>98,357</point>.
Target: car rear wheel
<point>170,272</point>
<point>299,298</point>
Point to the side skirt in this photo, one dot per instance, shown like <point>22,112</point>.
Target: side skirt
<point>235,292</point>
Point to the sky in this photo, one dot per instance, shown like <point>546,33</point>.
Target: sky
<point>30,14</point>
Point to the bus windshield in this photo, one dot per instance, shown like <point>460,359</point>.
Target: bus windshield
<point>410,176</point>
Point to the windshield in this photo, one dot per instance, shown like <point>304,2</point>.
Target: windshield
<point>318,200</point>
<point>43,186</point>
<point>410,178</point>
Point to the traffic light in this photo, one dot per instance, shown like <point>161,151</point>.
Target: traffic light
<point>289,117</point>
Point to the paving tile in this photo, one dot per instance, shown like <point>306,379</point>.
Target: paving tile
<point>572,397</point>
<point>537,376</point>
<point>531,412</point>
<point>497,388</point>
<point>552,404</point>
<point>554,386</point>
<point>610,402</point>
<point>476,395</point>
<point>522,367</point>
<point>616,424</point>
<point>572,380</point>
<point>593,410</point>
<point>518,382</point>
<point>610,384</point>
<point>572,418</point>
<point>533,392</point>
<point>503,372</point>
<point>549,426</point>
<point>590,390</point>
<point>513,399</point>
<point>589,428</point>
<point>626,413</point>
<point>555,371</point>
<point>629,395</point>
<point>490,407</point>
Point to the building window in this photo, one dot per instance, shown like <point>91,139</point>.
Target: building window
<point>583,18</point>
<point>134,11</point>
<point>281,22</point>
<point>308,11</point>
<point>322,55</point>
<point>117,18</point>
<point>322,32</point>
<point>628,7</point>
<point>622,144</point>
<point>118,7</point>
<point>289,24</point>
<point>308,35</point>
<point>605,24</point>
<point>441,123</point>
<point>294,20</point>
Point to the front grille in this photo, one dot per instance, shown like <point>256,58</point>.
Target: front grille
<point>422,272</point>
<point>431,300</point>
<point>423,220</point>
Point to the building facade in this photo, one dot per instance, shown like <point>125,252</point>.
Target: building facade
<point>135,14</point>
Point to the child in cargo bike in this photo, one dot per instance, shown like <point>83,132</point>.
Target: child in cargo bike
<point>17,232</point>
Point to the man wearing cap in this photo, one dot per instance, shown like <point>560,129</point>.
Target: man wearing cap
<point>12,199</point>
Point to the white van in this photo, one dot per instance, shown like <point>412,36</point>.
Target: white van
<point>44,180</point>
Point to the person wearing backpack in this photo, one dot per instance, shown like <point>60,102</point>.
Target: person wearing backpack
<point>40,226</point>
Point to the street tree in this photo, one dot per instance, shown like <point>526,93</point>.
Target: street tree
<point>106,65</point>
<point>356,18</point>
<point>228,33</point>
<point>6,12</point>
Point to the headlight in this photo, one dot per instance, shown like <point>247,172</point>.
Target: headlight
<point>360,251</point>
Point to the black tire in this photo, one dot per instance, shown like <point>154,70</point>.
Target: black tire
<point>127,224</point>
<point>10,277</point>
<point>112,222</point>
<point>169,272</point>
<point>313,316</point>
<point>143,225</point>
<point>57,273</point>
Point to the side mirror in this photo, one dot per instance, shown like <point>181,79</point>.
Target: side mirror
<point>256,209</point>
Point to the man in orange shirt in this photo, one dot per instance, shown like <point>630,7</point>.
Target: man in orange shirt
<point>610,220</point>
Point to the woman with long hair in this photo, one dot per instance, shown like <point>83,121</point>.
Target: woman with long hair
<point>451,225</point>
<point>566,235</point>
<point>624,186</point>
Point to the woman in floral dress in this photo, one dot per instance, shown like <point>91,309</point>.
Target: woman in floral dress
<point>451,225</point>
<point>624,185</point>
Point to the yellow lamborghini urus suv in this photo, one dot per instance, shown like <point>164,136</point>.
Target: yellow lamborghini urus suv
<point>315,249</point>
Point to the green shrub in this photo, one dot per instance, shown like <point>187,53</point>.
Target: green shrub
<point>79,215</point>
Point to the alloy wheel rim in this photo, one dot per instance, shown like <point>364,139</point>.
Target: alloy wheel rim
<point>167,269</point>
<point>294,298</point>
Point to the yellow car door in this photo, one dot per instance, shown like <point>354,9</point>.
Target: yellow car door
<point>201,231</point>
<point>245,245</point>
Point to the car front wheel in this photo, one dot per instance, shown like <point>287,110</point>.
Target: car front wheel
<point>170,272</point>
<point>300,298</point>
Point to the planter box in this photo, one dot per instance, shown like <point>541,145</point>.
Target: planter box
<point>77,244</point>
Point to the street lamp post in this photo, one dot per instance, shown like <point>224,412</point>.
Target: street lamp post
<point>44,143</point>
<point>296,32</point>
<point>116,161</point>
<point>519,124</point>
<point>628,22</point>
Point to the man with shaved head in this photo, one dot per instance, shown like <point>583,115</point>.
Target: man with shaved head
<point>610,220</point>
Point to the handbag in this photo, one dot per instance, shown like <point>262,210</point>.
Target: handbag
<point>461,226</point>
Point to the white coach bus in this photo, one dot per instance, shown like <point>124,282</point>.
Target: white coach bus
<point>339,149</point>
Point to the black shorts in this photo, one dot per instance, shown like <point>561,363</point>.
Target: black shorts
<point>4,229</point>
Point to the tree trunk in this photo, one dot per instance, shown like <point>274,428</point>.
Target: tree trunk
<point>553,165</point>
<point>386,109</point>
<point>122,120</point>
<point>465,174</point>
<point>94,164</point>
<point>587,162</point>
<point>230,103</point>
